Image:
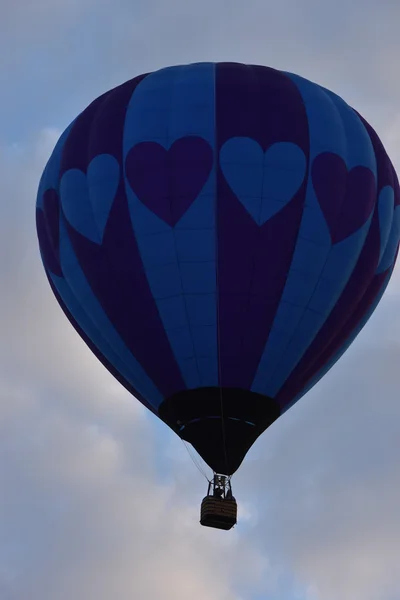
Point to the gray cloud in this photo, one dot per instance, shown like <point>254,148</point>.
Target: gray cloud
<point>351,48</point>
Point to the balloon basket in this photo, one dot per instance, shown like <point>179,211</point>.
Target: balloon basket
<point>219,508</point>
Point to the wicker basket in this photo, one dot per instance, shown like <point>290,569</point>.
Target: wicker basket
<point>220,513</point>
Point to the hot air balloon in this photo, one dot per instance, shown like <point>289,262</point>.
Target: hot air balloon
<point>218,235</point>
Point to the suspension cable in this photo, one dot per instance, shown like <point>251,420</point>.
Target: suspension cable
<point>195,461</point>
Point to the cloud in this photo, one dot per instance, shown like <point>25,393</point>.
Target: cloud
<point>55,57</point>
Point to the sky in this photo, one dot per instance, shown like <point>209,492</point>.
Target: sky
<point>98,500</point>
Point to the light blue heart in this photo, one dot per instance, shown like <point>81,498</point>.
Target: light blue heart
<point>87,199</point>
<point>264,182</point>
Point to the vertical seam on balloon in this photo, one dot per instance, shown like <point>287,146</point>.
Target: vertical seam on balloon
<point>305,183</point>
<point>254,257</point>
<point>189,329</point>
<point>88,144</point>
<point>100,102</point>
<point>131,221</point>
<point>346,132</point>
<point>375,210</point>
<point>308,182</point>
<point>106,257</point>
<point>90,130</point>
<point>345,154</point>
<point>125,185</point>
<point>292,337</point>
<point>216,221</point>
<point>314,377</point>
<point>216,232</point>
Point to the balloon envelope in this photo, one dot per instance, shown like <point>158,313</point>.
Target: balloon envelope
<point>218,234</point>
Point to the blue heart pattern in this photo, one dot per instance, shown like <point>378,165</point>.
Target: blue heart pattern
<point>264,182</point>
<point>86,199</point>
